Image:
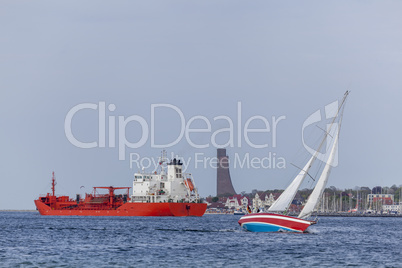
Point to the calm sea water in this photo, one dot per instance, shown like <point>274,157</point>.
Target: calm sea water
<point>30,240</point>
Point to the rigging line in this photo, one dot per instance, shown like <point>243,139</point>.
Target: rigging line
<point>301,154</point>
<point>302,170</point>
<point>324,131</point>
<point>330,127</point>
<point>340,120</point>
<point>319,168</point>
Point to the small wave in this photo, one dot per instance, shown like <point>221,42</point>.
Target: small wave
<point>168,230</point>
<point>312,230</point>
<point>98,229</point>
<point>195,230</point>
<point>75,228</point>
<point>62,228</point>
<point>24,263</point>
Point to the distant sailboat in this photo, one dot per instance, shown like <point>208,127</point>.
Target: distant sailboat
<point>275,222</point>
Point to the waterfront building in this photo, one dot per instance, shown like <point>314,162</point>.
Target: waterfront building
<point>385,199</point>
<point>267,202</point>
<point>393,209</point>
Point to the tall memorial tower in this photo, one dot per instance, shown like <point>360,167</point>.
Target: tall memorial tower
<point>224,184</point>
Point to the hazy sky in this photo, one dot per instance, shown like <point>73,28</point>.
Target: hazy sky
<point>275,58</point>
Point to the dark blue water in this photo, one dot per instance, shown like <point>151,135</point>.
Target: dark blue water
<point>30,240</point>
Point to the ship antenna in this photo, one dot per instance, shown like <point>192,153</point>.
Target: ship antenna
<point>53,183</point>
<point>162,159</point>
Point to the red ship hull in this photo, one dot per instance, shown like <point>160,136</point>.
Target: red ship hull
<point>129,209</point>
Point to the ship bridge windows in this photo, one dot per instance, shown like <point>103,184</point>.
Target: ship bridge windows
<point>178,172</point>
<point>138,178</point>
<point>144,177</point>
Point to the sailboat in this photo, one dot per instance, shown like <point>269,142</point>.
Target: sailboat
<point>276,220</point>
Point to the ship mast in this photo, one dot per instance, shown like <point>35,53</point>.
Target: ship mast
<point>162,160</point>
<point>53,184</point>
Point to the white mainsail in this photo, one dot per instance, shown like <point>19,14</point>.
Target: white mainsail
<point>315,196</point>
<point>286,198</point>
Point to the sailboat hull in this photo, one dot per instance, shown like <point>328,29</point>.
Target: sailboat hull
<point>270,222</point>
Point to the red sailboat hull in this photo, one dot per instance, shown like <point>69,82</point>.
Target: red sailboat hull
<point>270,222</point>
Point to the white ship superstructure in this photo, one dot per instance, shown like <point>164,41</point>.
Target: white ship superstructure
<point>171,186</point>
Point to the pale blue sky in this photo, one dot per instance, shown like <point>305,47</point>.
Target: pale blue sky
<point>277,58</point>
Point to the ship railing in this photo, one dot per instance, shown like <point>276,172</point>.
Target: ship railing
<point>138,198</point>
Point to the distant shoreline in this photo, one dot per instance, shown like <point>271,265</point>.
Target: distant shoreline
<point>333,215</point>
<point>18,210</point>
<point>358,215</point>
<point>319,215</point>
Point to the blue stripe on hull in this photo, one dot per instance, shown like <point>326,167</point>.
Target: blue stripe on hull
<point>265,227</point>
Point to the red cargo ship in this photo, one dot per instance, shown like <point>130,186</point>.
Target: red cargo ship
<point>164,194</point>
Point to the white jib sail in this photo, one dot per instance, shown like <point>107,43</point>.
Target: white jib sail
<point>315,196</point>
<point>284,200</point>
